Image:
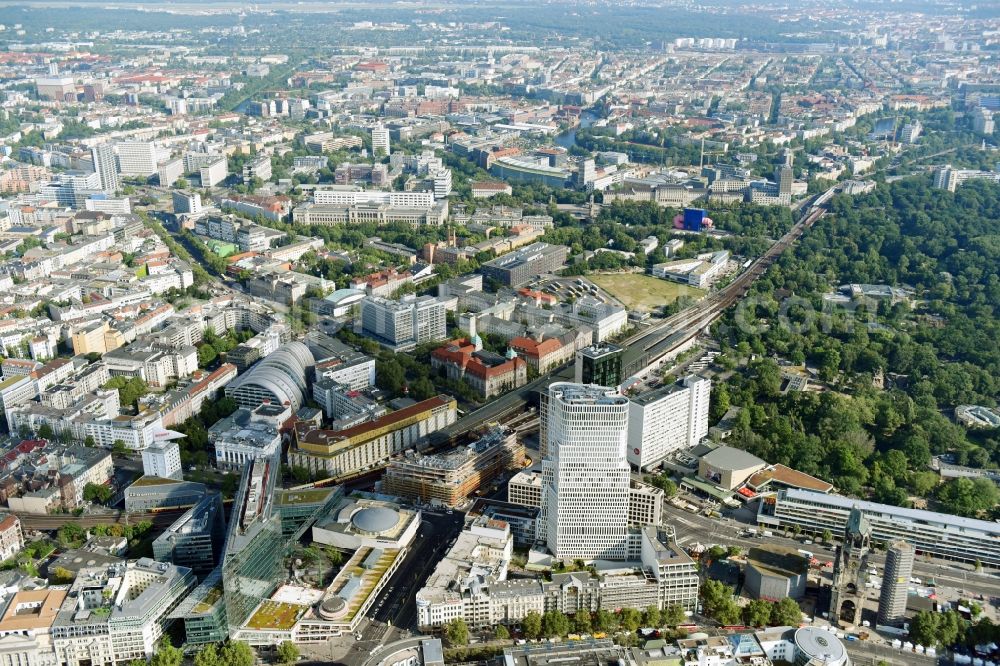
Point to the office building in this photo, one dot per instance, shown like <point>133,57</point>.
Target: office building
<point>899,557</point>
<point>71,188</point>
<point>195,540</point>
<point>516,268</point>
<point>442,183</point>
<point>186,203</point>
<point>948,178</point>
<point>784,176</point>
<point>152,492</point>
<point>450,478</point>
<point>380,141</point>
<point>470,582</point>
<point>599,364</point>
<point>910,132</point>
<point>162,459</point>
<point>937,534</point>
<point>26,627</point>
<point>246,435</point>
<point>488,373</point>
<point>259,167</point>
<point>136,158</point>
<point>982,121</point>
<point>252,564</point>
<point>11,537</point>
<point>281,378</point>
<point>117,614</point>
<point>668,419</point>
<point>203,612</point>
<point>327,142</point>
<point>212,168</point>
<point>402,325</point>
<point>371,443</point>
<point>106,167</point>
<point>170,171</point>
<point>585,474</point>
<point>58,89</point>
<point>645,502</point>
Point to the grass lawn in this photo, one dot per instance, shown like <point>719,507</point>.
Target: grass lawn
<point>643,292</point>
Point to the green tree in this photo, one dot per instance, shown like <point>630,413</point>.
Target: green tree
<point>757,613</point>
<point>206,354</point>
<point>207,656</point>
<point>237,653</point>
<point>555,624</point>
<point>457,632</point>
<point>89,441</point>
<point>532,625</point>
<point>604,621</point>
<point>786,613</point>
<point>968,497</point>
<point>717,602</point>
<point>70,535</point>
<point>827,536</point>
<point>581,621</point>
<point>288,653</point>
<point>500,632</point>
<point>673,615</point>
<point>61,576</point>
<point>651,617</point>
<point>97,492</point>
<point>629,619</point>
<point>45,431</point>
<point>166,655</point>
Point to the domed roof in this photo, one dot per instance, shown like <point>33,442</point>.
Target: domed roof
<point>822,646</point>
<point>375,519</point>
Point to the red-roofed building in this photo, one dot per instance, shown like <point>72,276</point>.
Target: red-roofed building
<point>487,373</point>
<point>545,354</point>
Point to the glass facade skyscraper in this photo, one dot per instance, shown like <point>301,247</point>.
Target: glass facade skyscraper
<point>255,548</point>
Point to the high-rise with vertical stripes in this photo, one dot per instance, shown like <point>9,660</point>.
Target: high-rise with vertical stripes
<point>585,474</point>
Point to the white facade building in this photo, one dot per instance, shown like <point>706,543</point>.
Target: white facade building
<point>186,202</point>
<point>136,158</point>
<point>668,419</point>
<point>380,141</point>
<point>585,474</point>
<point>106,167</point>
<point>162,459</point>
<point>349,196</point>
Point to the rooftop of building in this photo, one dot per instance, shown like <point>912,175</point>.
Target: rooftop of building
<point>307,434</point>
<point>32,610</point>
<point>919,516</point>
<point>728,457</point>
<point>586,394</point>
<point>778,560</point>
<point>789,477</point>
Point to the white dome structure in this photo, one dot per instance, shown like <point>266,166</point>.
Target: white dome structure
<point>375,520</point>
<point>822,648</point>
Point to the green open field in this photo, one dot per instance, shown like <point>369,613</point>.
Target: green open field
<point>643,292</point>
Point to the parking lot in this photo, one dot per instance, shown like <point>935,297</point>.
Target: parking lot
<point>568,289</point>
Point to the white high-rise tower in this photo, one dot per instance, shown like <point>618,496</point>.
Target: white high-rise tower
<point>585,474</point>
<point>106,166</point>
<point>380,141</point>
